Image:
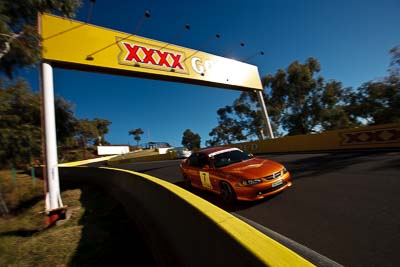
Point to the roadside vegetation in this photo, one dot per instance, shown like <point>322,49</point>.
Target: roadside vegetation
<point>301,101</point>
<point>97,232</point>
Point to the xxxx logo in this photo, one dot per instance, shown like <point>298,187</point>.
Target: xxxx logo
<point>143,55</point>
<point>371,137</point>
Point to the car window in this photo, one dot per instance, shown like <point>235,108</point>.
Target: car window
<point>193,160</point>
<point>198,160</point>
<point>203,160</point>
<point>230,157</point>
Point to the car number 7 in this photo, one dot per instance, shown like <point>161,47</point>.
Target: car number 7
<point>205,180</point>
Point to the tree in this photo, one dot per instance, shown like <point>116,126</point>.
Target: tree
<point>19,38</point>
<point>20,123</point>
<point>298,102</point>
<point>229,129</point>
<point>335,110</point>
<point>191,140</point>
<point>304,102</point>
<point>65,120</point>
<point>20,133</point>
<point>102,128</point>
<point>378,102</point>
<point>20,47</point>
<point>296,96</point>
<point>394,67</point>
<point>136,134</point>
<point>86,132</point>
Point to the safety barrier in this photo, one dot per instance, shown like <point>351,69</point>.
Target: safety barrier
<point>182,229</point>
<point>370,137</point>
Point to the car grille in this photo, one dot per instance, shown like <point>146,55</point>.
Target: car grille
<point>272,189</point>
<point>273,176</point>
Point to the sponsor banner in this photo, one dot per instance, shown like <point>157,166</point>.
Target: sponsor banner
<point>372,136</point>
<point>77,45</point>
<point>380,136</point>
<point>139,54</point>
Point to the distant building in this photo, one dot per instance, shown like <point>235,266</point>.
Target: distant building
<point>112,150</point>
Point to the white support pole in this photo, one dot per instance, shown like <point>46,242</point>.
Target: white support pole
<point>53,197</point>
<point>265,113</point>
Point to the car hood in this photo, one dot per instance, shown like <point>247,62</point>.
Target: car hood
<point>253,168</point>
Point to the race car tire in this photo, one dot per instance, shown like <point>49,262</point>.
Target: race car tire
<point>228,195</point>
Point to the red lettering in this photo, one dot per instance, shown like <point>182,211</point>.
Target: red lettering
<point>132,52</point>
<point>148,56</point>
<point>176,63</point>
<point>163,59</point>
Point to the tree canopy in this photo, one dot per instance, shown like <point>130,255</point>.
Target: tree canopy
<point>300,101</point>
<point>136,134</point>
<point>191,140</point>
<point>20,124</point>
<point>378,102</point>
<point>102,129</point>
<point>20,132</point>
<point>19,38</point>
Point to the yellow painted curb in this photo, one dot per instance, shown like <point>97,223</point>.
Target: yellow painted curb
<point>266,249</point>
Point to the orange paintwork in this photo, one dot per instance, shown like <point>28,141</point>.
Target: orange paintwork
<point>267,177</point>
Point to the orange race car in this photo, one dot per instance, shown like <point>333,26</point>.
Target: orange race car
<point>234,174</point>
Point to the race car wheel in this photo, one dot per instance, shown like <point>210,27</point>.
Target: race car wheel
<point>227,193</point>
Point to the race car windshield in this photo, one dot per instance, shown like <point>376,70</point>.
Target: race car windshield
<point>230,157</point>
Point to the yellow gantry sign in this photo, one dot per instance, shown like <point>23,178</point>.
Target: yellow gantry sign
<point>77,45</point>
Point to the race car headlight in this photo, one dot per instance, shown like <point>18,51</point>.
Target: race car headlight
<point>284,170</point>
<point>251,181</point>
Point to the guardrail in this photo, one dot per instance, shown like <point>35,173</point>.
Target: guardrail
<point>182,229</point>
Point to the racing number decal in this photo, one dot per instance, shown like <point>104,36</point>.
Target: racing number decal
<point>205,180</point>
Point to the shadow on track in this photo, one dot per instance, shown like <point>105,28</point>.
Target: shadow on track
<point>335,161</point>
<point>216,200</point>
<point>108,237</point>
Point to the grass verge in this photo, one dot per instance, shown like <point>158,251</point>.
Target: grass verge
<point>98,231</point>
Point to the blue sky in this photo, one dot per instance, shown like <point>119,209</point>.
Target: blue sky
<point>351,39</point>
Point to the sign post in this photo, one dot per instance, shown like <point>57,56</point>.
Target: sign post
<point>265,113</point>
<point>54,205</point>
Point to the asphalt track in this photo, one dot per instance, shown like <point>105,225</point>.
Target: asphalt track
<point>343,205</point>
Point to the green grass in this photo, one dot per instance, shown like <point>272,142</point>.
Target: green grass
<point>98,232</point>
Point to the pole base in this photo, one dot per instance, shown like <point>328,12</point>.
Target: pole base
<point>55,215</point>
